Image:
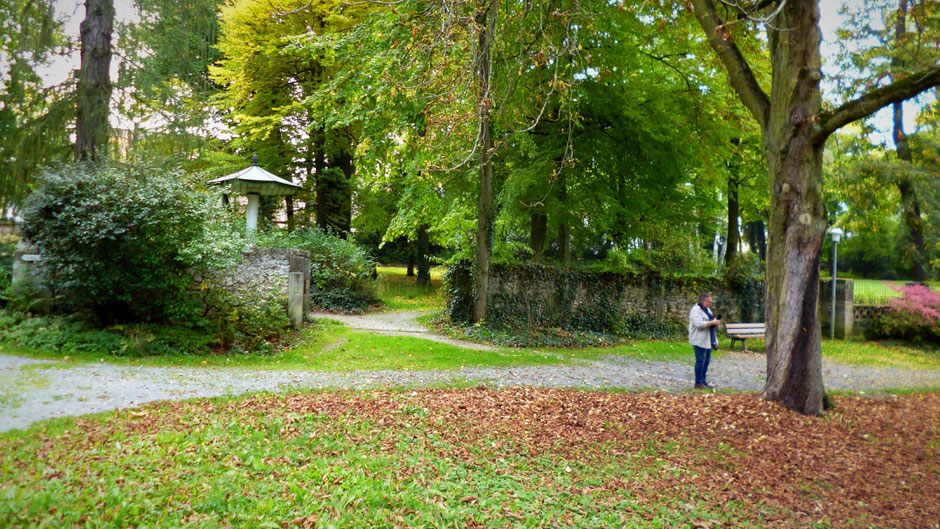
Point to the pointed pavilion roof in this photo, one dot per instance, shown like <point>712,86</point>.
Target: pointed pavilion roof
<point>255,180</point>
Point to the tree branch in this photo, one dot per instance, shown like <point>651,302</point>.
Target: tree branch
<point>739,71</point>
<point>874,101</point>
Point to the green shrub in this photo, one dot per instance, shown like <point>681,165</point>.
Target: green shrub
<point>7,249</point>
<point>342,274</point>
<point>143,254</point>
<point>111,240</point>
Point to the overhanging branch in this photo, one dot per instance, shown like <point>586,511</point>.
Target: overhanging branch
<point>874,101</point>
<point>739,71</point>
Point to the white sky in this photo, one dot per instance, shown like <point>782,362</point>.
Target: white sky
<point>73,11</point>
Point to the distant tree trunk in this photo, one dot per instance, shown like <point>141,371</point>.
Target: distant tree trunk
<point>411,260</point>
<point>423,249</point>
<point>289,208</point>
<point>485,210</point>
<point>334,194</point>
<point>909,200</point>
<point>757,239</point>
<point>564,234</point>
<point>94,82</point>
<point>347,164</point>
<point>732,241</point>
<point>537,232</point>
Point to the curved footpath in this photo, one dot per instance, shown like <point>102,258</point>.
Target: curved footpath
<point>29,393</point>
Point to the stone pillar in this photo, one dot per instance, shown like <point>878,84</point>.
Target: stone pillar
<point>845,307</point>
<point>295,299</point>
<point>299,270</point>
<point>251,220</point>
<point>29,279</point>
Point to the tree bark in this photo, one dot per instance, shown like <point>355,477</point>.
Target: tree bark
<point>909,199</point>
<point>794,132</point>
<point>756,239</point>
<point>733,238</point>
<point>289,209</point>
<point>485,211</point>
<point>94,82</point>
<point>334,194</point>
<point>564,233</point>
<point>537,232</point>
<point>423,249</point>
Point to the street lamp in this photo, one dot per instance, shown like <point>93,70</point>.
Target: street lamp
<point>836,234</point>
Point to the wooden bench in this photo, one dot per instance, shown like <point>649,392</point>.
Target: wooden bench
<point>743,332</point>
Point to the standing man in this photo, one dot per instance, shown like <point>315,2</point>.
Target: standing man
<point>701,330</point>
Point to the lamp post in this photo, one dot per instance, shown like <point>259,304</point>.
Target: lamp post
<point>836,234</point>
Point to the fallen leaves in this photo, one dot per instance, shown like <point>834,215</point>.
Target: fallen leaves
<point>870,459</point>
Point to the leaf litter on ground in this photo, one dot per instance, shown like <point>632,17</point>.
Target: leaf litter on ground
<point>683,460</point>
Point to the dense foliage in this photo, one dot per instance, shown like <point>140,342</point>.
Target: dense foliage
<point>342,274</point>
<point>113,240</point>
<point>914,317</point>
<point>137,250</point>
<point>7,249</point>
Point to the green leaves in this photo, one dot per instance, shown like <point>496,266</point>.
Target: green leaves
<point>113,240</point>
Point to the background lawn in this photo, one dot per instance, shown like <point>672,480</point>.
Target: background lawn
<point>400,292</point>
<point>879,292</point>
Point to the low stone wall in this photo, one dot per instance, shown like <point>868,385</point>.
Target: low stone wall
<point>865,315</point>
<point>542,296</point>
<point>263,271</point>
<point>267,270</point>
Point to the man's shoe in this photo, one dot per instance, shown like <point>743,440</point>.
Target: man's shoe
<point>701,386</point>
<point>708,386</point>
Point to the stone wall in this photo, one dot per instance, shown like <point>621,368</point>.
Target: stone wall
<point>266,270</point>
<point>865,315</point>
<point>263,271</point>
<point>542,296</point>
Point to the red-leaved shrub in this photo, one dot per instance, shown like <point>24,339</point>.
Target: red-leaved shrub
<point>915,316</point>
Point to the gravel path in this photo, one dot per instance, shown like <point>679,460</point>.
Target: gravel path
<point>399,323</point>
<point>32,390</point>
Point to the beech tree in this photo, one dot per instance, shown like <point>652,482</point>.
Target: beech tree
<point>794,129</point>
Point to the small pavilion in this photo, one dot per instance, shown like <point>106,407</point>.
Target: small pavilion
<point>254,182</point>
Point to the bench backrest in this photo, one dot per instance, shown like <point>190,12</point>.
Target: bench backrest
<point>746,329</point>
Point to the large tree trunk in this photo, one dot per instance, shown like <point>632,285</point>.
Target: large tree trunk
<point>485,211</point>
<point>733,239</point>
<point>909,200</point>
<point>797,215</point>
<point>289,209</point>
<point>94,81</point>
<point>334,194</point>
<point>794,130</point>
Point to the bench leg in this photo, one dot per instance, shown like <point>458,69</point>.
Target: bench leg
<point>744,346</point>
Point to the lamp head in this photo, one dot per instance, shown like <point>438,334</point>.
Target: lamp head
<point>836,234</point>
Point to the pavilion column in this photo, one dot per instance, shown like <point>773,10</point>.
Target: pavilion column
<point>252,217</point>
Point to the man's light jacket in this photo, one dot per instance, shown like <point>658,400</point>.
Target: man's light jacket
<point>699,332</point>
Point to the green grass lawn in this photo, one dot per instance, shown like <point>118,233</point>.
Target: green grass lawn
<point>397,291</point>
<point>877,291</point>
<point>331,346</point>
<point>476,458</point>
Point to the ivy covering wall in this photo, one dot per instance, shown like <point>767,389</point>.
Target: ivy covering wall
<point>538,296</point>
